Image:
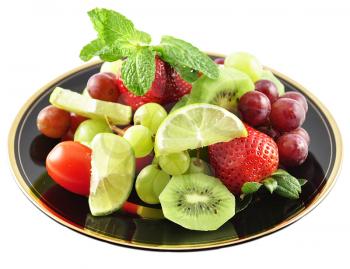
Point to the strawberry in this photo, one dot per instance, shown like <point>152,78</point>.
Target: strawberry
<point>156,94</point>
<point>176,86</point>
<point>128,98</point>
<point>244,159</point>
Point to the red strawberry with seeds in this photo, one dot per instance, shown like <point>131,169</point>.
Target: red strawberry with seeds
<point>245,159</point>
<point>156,94</point>
<point>128,98</point>
<point>176,86</point>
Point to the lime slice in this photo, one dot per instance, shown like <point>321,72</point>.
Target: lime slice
<point>195,126</point>
<point>91,108</point>
<point>112,173</point>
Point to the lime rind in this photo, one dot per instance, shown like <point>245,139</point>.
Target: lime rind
<point>195,126</point>
<point>112,175</point>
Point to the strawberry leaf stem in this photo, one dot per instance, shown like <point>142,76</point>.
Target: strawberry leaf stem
<point>280,182</point>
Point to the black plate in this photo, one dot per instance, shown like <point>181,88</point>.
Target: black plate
<point>28,150</point>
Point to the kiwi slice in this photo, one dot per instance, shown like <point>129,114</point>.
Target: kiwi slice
<point>197,202</point>
<point>181,103</point>
<point>224,91</point>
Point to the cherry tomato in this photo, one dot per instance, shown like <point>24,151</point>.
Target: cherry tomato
<point>69,165</point>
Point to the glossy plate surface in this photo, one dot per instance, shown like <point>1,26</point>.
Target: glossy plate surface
<point>28,150</point>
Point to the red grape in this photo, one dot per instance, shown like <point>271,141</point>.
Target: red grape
<point>111,75</point>
<point>255,108</point>
<point>268,88</point>
<point>53,122</point>
<point>143,162</point>
<point>219,60</point>
<point>303,133</point>
<point>103,86</point>
<point>286,115</point>
<point>75,121</point>
<point>297,97</point>
<point>269,131</point>
<point>292,149</point>
<point>68,136</point>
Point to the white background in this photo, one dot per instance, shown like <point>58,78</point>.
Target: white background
<point>305,40</point>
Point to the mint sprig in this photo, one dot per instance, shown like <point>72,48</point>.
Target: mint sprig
<point>111,26</point>
<point>280,182</point>
<point>178,52</point>
<point>98,47</point>
<point>138,70</point>
<point>187,74</point>
<point>117,38</point>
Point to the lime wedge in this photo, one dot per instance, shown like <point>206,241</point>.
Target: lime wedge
<point>112,173</point>
<point>91,108</point>
<point>195,126</point>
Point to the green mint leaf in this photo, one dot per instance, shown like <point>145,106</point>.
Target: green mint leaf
<point>288,186</point>
<point>117,36</point>
<point>110,24</point>
<point>119,48</point>
<point>250,187</point>
<point>270,184</point>
<point>187,74</point>
<point>141,37</point>
<point>91,49</point>
<point>138,71</point>
<point>243,203</point>
<point>302,181</point>
<point>98,48</point>
<point>182,54</point>
<point>110,54</point>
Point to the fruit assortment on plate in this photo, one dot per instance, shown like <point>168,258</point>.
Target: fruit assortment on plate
<point>194,135</point>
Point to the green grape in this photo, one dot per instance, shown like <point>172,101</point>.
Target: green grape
<point>246,63</point>
<point>198,166</point>
<point>160,183</point>
<point>175,163</point>
<point>88,129</point>
<point>155,160</point>
<point>150,182</point>
<point>140,139</point>
<point>112,67</point>
<point>150,115</point>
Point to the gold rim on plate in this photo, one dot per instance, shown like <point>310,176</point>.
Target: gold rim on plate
<point>48,211</point>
